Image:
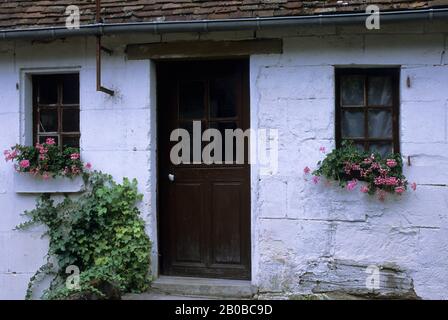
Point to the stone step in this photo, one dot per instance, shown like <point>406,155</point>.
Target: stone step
<point>163,296</point>
<point>203,287</point>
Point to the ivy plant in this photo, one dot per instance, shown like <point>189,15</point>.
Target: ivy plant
<point>100,232</point>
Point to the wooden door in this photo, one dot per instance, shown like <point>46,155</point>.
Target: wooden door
<point>204,209</point>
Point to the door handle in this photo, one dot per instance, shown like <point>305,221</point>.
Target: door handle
<point>171,177</point>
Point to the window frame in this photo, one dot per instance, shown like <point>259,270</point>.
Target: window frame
<point>394,73</point>
<point>59,106</point>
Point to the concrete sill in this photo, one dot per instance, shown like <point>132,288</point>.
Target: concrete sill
<point>27,183</point>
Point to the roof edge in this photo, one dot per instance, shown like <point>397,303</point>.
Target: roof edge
<point>160,27</point>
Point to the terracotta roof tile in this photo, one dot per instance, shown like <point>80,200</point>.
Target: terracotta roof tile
<point>39,13</point>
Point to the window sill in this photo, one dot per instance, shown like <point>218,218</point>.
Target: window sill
<point>28,184</point>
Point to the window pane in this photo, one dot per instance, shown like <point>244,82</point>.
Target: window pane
<point>191,100</point>
<point>222,98</point>
<point>48,120</point>
<point>383,148</point>
<point>352,124</point>
<point>69,141</point>
<point>70,120</point>
<point>380,91</point>
<point>70,89</point>
<point>352,90</point>
<point>48,90</point>
<point>380,124</point>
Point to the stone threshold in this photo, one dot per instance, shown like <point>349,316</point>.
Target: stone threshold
<point>185,288</point>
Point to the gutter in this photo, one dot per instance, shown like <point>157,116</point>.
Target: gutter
<point>160,27</point>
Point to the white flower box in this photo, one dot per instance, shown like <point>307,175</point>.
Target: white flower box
<point>27,183</point>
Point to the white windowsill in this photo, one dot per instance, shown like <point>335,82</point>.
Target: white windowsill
<point>27,183</point>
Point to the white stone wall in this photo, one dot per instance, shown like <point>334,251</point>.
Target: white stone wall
<point>305,238</point>
<point>317,239</point>
<point>116,137</point>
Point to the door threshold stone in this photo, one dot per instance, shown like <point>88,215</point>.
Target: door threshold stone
<point>178,288</point>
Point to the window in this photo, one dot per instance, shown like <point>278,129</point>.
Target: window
<point>367,108</point>
<point>56,109</point>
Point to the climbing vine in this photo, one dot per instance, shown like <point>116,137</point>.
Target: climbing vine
<point>100,234</point>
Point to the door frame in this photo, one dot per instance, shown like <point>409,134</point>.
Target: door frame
<point>247,94</point>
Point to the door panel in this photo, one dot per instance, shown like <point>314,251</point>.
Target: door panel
<point>188,235</point>
<point>226,237</point>
<point>204,210</point>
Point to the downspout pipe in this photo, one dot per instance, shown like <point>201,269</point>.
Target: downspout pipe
<point>100,29</point>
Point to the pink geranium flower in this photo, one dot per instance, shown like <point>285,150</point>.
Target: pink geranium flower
<point>34,171</point>
<point>74,156</point>
<point>316,179</point>
<point>414,186</point>
<point>88,166</point>
<point>306,170</point>
<point>50,141</point>
<point>45,176</point>
<point>75,170</point>
<point>400,190</point>
<point>24,164</point>
<point>365,189</point>
<point>322,149</point>
<point>10,155</point>
<point>352,185</point>
<point>391,163</point>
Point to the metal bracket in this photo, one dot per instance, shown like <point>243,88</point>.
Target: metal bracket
<point>107,50</point>
<point>99,49</point>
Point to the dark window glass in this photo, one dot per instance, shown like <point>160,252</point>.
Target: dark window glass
<point>70,120</point>
<point>48,120</point>
<point>382,148</point>
<point>223,98</point>
<point>352,124</point>
<point>370,122</point>
<point>352,90</point>
<point>380,91</point>
<point>380,124</point>
<point>191,100</point>
<point>56,108</point>
<point>48,88</point>
<point>70,141</point>
<point>70,89</point>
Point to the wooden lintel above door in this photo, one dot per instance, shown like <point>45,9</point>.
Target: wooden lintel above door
<point>203,49</point>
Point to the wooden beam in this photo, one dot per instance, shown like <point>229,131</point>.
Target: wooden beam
<point>203,49</point>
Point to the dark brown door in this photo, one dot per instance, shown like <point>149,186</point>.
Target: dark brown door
<point>204,209</point>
